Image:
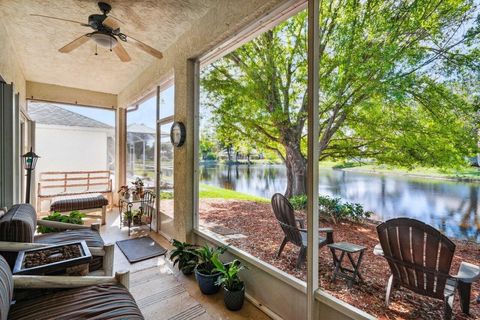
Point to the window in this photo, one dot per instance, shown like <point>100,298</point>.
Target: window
<point>65,134</point>
<point>141,134</point>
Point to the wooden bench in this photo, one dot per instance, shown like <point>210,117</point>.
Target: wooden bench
<point>65,184</point>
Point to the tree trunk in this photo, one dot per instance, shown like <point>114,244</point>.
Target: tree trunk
<point>229,152</point>
<point>296,170</point>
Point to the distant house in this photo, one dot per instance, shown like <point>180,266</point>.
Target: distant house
<point>68,141</point>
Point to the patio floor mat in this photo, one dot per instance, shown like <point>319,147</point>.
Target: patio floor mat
<point>140,249</point>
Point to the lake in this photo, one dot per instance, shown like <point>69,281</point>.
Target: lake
<point>450,206</point>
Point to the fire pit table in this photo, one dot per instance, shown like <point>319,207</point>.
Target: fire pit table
<point>70,258</point>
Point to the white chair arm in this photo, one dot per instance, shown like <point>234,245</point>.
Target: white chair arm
<point>468,272</point>
<point>378,251</point>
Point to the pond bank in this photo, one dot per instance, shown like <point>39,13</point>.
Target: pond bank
<point>469,177</point>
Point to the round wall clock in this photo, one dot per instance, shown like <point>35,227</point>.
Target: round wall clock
<point>177,134</point>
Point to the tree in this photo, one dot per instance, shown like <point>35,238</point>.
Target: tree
<point>397,79</point>
<point>207,145</point>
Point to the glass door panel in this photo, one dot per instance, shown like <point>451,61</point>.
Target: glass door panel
<point>165,181</point>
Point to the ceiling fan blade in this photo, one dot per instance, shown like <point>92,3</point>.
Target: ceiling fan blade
<point>121,52</point>
<point>111,22</point>
<point>61,19</point>
<point>145,47</point>
<point>75,44</point>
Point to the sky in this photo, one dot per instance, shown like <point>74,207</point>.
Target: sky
<point>145,114</point>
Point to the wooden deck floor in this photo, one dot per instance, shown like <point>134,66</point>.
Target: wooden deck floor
<point>164,293</point>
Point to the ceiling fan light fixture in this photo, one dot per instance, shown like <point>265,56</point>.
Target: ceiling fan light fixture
<point>104,40</point>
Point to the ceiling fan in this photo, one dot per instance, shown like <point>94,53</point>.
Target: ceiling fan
<point>106,34</point>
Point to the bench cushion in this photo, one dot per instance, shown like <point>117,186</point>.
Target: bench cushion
<point>94,302</point>
<point>78,202</point>
<point>91,237</point>
<point>6,288</point>
<point>18,224</point>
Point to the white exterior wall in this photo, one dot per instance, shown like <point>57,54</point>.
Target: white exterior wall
<point>63,148</point>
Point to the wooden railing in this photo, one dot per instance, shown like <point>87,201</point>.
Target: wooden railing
<point>63,183</point>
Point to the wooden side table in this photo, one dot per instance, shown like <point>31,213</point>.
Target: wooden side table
<point>347,249</point>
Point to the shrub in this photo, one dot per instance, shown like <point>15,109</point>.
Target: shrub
<point>333,207</point>
<point>74,217</point>
<point>342,211</point>
<point>299,202</point>
<point>165,195</point>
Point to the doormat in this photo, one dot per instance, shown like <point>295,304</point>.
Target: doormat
<point>140,249</point>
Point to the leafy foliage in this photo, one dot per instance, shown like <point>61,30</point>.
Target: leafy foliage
<point>166,195</point>
<point>299,202</point>
<point>74,217</point>
<point>228,274</point>
<point>130,214</point>
<point>333,207</point>
<point>398,83</point>
<point>341,211</point>
<point>205,255</point>
<point>184,255</point>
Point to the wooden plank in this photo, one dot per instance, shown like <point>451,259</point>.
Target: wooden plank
<point>79,178</point>
<point>73,172</point>
<point>404,233</point>
<point>418,248</point>
<point>50,282</point>
<point>72,185</point>
<point>431,259</point>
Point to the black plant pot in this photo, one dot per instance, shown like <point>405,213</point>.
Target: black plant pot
<point>206,282</point>
<point>187,271</point>
<point>234,299</point>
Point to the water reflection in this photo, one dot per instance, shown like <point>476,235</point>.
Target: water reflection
<point>452,207</point>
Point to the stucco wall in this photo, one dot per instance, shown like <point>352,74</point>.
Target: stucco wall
<point>61,94</point>
<point>70,148</point>
<point>10,68</point>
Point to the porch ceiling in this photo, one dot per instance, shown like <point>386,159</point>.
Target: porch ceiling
<point>37,40</point>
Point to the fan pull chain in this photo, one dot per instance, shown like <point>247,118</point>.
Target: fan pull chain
<point>110,44</point>
<point>96,52</point>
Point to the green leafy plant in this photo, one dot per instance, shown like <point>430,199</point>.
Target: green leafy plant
<point>228,273</point>
<point>342,211</point>
<point>184,255</point>
<point>299,202</point>
<point>164,195</point>
<point>131,214</point>
<point>205,255</point>
<point>75,217</point>
<point>334,208</point>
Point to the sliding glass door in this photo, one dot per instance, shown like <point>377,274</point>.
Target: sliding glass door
<point>165,161</point>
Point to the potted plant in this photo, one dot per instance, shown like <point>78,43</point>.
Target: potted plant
<point>184,255</point>
<point>128,218</point>
<point>124,192</point>
<point>233,287</point>
<point>205,271</point>
<point>137,217</point>
<point>139,191</point>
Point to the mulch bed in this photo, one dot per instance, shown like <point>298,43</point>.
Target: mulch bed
<point>263,237</point>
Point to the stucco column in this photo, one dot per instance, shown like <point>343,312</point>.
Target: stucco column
<point>184,155</point>
<point>120,150</point>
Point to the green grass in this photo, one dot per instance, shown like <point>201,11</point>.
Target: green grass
<point>471,173</point>
<point>207,191</point>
